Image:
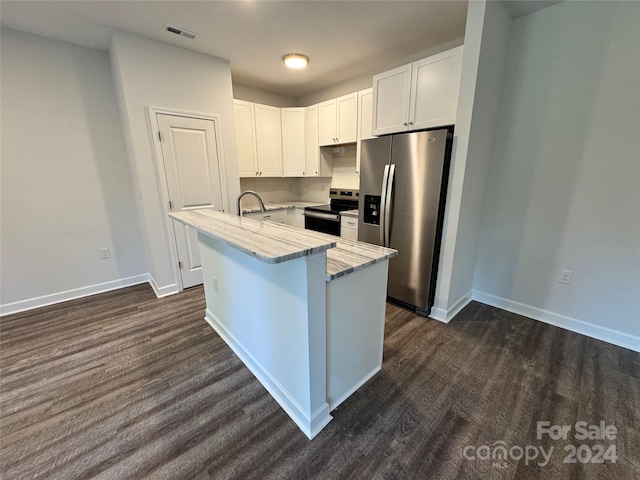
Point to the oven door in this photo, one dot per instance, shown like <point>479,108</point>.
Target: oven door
<point>322,222</point>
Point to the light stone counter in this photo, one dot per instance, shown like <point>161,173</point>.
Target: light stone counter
<point>273,242</point>
<point>350,213</point>
<point>267,241</point>
<point>350,256</point>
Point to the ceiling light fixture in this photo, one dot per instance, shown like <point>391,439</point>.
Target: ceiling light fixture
<point>295,60</point>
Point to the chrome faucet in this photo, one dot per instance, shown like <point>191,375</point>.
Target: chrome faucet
<point>250,192</point>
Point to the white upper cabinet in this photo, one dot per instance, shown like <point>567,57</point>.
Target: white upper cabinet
<point>258,139</point>
<point>337,120</point>
<point>268,140</point>
<point>327,122</point>
<point>365,121</point>
<point>420,95</point>
<point>392,93</point>
<point>318,163</point>
<point>293,141</point>
<point>347,118</point>
<point>244,119</point>
<point>365,114</point>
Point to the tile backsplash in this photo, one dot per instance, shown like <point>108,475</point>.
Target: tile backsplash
<point>288,189</point>
<point>312,189</point>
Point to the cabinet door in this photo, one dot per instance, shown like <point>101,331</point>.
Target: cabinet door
<point>327,123</point>
<point>293,141</point>
<point>349,228</point>
<point>312,147</point>
<point>434,93</point>
<point>243,114</point>
<point>391,95</point>
<point>347,118</point>
<point>365,114</point>
<point>268,140</point>
<point>365,121</point>
<point>298,220</point>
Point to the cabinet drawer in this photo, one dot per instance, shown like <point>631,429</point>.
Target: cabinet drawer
<point>349,228</point>
<point>349,222</point>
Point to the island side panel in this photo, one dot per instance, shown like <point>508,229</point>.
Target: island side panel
<point>356,305</point>
<point>274,318</point>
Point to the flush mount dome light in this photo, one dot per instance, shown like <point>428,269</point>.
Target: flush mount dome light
<point>295,60</point>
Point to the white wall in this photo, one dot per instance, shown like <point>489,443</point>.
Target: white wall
<point>563,191</point>
<point>65,188</point>
<point>365,80</point>
<point>257,95</point>
<point>150,73</point>
<point>271,189</point>
<point>484,58</point>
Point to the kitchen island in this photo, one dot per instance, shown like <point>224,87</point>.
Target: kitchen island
<point>303,310</point>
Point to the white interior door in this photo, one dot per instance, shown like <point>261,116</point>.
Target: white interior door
<point>190,153</point>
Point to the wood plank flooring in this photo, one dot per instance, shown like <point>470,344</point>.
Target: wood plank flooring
<point>126,386</point>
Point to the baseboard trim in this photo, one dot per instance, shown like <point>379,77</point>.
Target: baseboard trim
<point>163,291</point>
<point>309,423</point>
<point>598,332</point>
<point>446,315</point>
<point>59,297</point>
<point>351,391</point>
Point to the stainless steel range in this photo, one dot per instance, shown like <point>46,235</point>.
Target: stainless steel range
<point>326,218</point>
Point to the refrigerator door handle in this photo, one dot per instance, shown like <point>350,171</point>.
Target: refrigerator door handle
<point>383,203</point>
<point>387,207</point>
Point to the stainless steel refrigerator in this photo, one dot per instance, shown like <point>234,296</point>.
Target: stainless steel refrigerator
<point>403,183</point>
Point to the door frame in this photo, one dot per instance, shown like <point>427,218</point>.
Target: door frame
<point>161,175</point>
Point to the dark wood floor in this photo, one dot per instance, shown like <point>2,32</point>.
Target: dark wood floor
<point>124,385</point>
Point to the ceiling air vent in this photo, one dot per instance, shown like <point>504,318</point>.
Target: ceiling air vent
<point>181,31</point>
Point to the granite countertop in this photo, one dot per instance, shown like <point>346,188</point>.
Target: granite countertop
<point>349,256</point>
<point>349,213</point>
<point>267,241</point>
<point>270,206</point>
<point>274,242</point>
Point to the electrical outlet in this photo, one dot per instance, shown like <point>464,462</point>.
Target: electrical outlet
<point>565,277</point>
<point>104,253</point>
<point>215,284</point>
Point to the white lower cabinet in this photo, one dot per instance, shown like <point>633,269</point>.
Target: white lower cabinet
<point>298,217</point>
<point>278,216</point>
<point>349,227</point>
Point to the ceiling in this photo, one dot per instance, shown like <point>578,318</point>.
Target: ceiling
<point>343,38</point>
